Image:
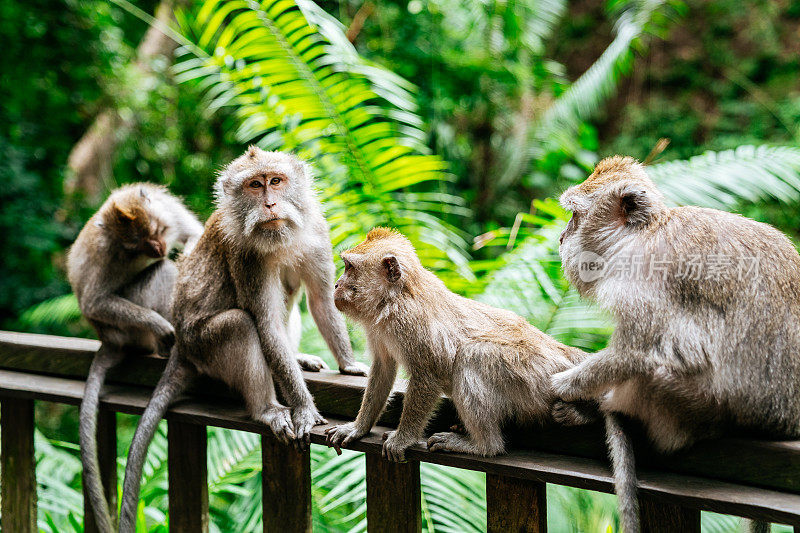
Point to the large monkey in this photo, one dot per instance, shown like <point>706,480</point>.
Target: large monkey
<point>120,273</point>
<point>707,306</point>
<point>492,363</point>
<point>234,302</point>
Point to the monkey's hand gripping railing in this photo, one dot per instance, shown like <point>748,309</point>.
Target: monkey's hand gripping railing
<point>754,479</point>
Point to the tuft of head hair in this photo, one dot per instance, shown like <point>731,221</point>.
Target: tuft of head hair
<point>381,237</point>
<point>612,169</point>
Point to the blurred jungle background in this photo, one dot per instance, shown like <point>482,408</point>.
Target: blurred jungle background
<point>457,121</point>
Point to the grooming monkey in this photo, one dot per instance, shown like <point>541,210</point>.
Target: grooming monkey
<point>120,273</point>
<point>492,363</point>
<point>708,327</point>
<point>235,304</point>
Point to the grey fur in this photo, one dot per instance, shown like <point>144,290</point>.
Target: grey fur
<point>492,363</point>
<point>125,296</point>
<point>235,303</point>
<point>691,357</point>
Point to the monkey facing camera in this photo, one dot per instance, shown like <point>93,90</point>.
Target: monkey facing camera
<point>707,310</point>
<point>235,312</point>
<point>492,363</point>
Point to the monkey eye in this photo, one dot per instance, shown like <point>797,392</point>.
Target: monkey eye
<point>274,181</point>
<point>255,184</point>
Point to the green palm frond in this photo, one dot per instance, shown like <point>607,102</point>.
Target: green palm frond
<point>294,82</point>
<point>58,311</point>
<point>723,180</point>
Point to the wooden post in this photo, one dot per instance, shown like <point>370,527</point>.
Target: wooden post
<point>286,487</point>
<point>515,505</point>
<point>660,517</point>
<point>18,466</point>
<point>107,456</point>
<point>188,484</point>
<point>393,496</point>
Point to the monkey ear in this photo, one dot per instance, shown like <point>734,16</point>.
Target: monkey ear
<point>392,266</point>
<point>121,213</point>
<point>635,205</point>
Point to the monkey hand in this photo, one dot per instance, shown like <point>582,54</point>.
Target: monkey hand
<point>394,446</point>
<point>280,422</point>
<point>311,362</point>
<point>566,384</point>
<point>354,369</point>
<point>338,436</point>
<point>166,339</point>
<point>304,418</point>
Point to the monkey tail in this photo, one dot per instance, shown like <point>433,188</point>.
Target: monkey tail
<point>177,376</point>
<point>623,465</point>
<point>104,359</point>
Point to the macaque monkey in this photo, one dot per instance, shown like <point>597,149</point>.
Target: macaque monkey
<point>492,363</point>
<point>120,273</point>
<point>707,306</point>
<point>235,304</point>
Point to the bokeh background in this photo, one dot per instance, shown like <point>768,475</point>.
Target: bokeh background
<point>457,121</point>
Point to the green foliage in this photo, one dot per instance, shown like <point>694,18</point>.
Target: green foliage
<point>296,83</point>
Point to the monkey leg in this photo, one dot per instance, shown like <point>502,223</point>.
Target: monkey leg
<point>236,358</point>
<point>479,407</point>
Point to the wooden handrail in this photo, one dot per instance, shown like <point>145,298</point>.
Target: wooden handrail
<point>755,479</point>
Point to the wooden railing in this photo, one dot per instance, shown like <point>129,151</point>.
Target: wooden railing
<point>754,479</point>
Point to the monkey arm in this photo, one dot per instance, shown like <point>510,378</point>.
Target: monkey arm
<point>381,378</point>
<point>319,292</point>
<point>122,313</point>
<point>420,399</point>
<point>599,372</point>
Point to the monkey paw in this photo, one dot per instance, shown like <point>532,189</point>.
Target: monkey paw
<point>304,419</point>
<point>279,421</point>
<point>311,362</point>
<point>445,442</point>
<point>165,342</point>
<point>354,369</point>
<point>338,436</point>
<point>574,413</point>
<point>394,447</point>
<point>564,385</point>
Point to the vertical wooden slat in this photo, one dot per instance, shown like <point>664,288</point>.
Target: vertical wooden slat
<point>286,487</point>
<point>107,456</point>
<point>393,496</point>
<point>188,485</point>
<point>515,505</point>
<point>18,466</point>
<point>660,517</point>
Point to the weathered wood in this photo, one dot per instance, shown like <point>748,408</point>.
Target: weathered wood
<point>699,493</point>
<point>107,456</point>
<point>286,483</point>
<point>767,464</point>
<point>188,484</point>
<point>515,505</point>
<point>18,466</point>
<point>658,516</point>
<point>393,496</point>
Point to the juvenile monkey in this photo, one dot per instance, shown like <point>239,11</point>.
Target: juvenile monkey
<point>235,303</point>
<point>120,273</point>
<point>492,363</point>
<point>708,321</point>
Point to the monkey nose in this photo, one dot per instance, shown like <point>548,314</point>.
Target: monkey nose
<point>269,206</point>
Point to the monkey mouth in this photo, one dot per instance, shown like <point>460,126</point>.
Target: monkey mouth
<point>273,223</point>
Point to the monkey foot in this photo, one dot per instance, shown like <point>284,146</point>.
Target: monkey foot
<point>279,421</point>
<point>574,413</point>
<point>354,369</point>
<point>311,362</point>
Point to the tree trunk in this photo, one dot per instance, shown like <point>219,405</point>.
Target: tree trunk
<point>90,160</point>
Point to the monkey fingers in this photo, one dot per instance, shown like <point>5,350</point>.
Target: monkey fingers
<point>280,422</point>
<point>304,418</point>
<point>443,442</point>
<point>311,363</point>
<point>354,369</point>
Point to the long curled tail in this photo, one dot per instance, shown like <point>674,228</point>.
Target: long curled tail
<point>623,465</point>
<point>104,359</point>
<point>177,376</point>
